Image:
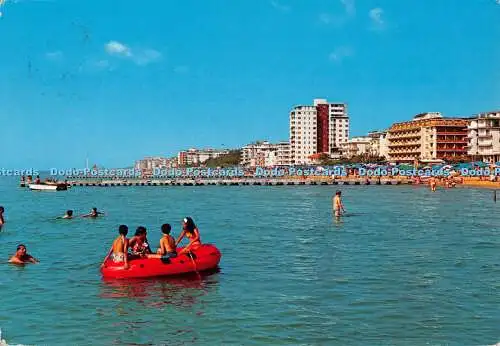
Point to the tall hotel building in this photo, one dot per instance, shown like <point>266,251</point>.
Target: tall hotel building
<point>320,128</point>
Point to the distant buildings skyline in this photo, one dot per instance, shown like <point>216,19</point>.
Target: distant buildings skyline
<point>323,128</point>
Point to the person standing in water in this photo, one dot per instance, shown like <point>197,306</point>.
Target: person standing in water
<point>338,206</point>
<point>432,183</point>
<point>2,220</point>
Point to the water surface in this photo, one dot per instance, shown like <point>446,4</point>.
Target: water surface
<point>409,267</point>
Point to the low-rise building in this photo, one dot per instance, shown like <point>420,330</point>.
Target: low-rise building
<point>378,143</point>
<point>483,135</point>
<point>356,146</point>
<point>196,157</point>
<point>265,154</point>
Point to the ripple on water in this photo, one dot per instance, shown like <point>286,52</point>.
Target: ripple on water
<point>409,267</point>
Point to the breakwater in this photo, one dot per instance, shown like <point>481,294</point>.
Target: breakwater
<point>238,182</point>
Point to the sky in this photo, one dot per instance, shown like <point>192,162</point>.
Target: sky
<point>115,81</point>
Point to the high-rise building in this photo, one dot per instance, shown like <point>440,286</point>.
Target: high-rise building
<point>483,135</point>
<point>320,128</point>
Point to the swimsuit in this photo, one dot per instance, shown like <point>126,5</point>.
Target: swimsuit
<point>117,257</point>
<point>172,254</point>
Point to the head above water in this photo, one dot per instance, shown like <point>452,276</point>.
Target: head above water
<point>338,193</point>
<point>2,209</point>
<point>21,249</point>
<point>94,210</point>
<point>165,228</point>
<point>188,224</point>
<point>69,212</point>
<point>123,230</point>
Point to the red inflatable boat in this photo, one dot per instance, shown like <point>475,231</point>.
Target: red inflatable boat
<point>206,257</point>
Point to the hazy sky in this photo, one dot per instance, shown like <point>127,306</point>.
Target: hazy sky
<point>119,80</point>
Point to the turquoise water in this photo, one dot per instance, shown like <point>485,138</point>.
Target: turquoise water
<point>409,267</point>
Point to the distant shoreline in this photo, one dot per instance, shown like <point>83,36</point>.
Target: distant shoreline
<point>277,181</point>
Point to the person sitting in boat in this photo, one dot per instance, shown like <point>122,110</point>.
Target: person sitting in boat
<point>37,180</point>
<point>68,215</point>
<point>167,244</point>
<point>118,251</point>
<point>190,231</point>
<point>139,243</point>
<point>2,220</point>
<point>21,257</point>
<point>93,213</point>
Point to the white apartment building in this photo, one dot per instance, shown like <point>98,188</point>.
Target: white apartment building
<point>356,146</point>
<point>338,128</point>
<point>483,137</point>
<point>265,154</point>
<point>379,145</point>
<point>303,134</point>
<point>320,128</point>
<point>195,157</point>
<point>150,163</point>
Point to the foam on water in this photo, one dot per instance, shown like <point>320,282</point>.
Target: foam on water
<point>4,343</point>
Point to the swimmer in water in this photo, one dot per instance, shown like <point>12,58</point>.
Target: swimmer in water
<point>167,244</point>
<point>2,220</point>
<point>118,251</point>
<point>68,215</point>
<point>21,257</point>
<point>93,213</point>
<point>338,206</point>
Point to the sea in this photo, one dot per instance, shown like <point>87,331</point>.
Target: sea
<point>405,266</point>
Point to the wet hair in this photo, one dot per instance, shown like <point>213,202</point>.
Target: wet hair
<point>20,246</point>
<point>94,209</point>
<point>189,224</point>
<point>2,209</point>
<point>69,212</point>
<point>140,230</point>
<point>123,229</point>
<point>165,228</point>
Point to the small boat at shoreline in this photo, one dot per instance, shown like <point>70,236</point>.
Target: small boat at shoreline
<point>48,187</point>
<point>206,257</point>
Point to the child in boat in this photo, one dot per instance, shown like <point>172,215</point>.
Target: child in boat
<point>118,251</point>
<point>2,220</point>
<point>167,244</point>
<point>139,243</point>
<point>190,231</point>
<point>21,257</point>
